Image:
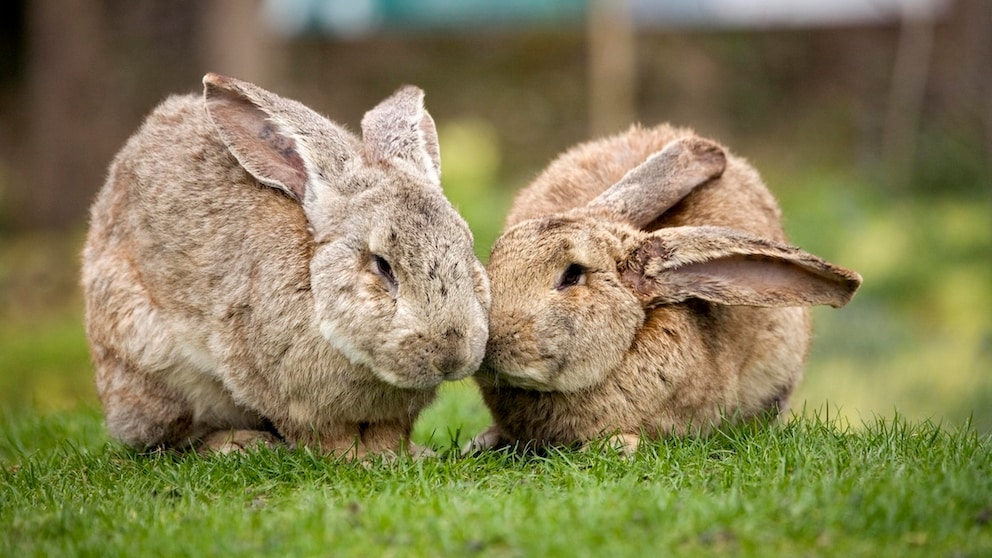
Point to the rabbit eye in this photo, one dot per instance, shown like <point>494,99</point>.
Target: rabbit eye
<point>384,270</point>
<point>574,275</point>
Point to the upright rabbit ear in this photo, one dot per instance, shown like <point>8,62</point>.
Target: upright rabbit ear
<point>730,267</point>
<point>660,182</point>
<point>401,128</point>
<point>265,148</point>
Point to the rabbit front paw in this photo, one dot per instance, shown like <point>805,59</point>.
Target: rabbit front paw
<point>228,441</point>
<point>490,438</point>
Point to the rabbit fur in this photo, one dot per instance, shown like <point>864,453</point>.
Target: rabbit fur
<point>255,272</point>
<point>643,286</point>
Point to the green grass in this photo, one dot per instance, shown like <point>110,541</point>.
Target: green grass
<point>812,486</point>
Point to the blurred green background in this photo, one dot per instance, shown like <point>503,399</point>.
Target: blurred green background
<point>875,132</point>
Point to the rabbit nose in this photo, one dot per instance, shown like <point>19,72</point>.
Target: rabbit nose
<point>454,353</point>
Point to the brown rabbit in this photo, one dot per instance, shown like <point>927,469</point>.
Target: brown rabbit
<point>643,286</point>
<point>254,270</point>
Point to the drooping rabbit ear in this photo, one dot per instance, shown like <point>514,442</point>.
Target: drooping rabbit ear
<point>401,128</point>
<point>244,119</point>
<point>730,267</point>
<point>660,182</point>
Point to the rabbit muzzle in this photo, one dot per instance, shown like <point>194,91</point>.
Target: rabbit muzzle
<point>457,356</point>
<point>512,359</point>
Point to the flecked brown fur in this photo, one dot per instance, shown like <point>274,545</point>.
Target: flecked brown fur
<point>251,266</point>
<point>690,308</point>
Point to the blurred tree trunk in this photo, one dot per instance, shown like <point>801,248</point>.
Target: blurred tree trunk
<point>236,42</point>
<point>910,74</point>
<point>976,77</point>
<point>95,67</point>
<point>612,70</point>
<point>65,106</point>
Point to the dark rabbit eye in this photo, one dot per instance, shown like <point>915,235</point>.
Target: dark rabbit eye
<point>574,274</point>
<point>384,270</point>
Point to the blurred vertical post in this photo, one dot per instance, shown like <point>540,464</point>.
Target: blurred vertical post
<point>612,66</point>
<point>66,100</point>
<point>237,42</point>
<point>906,95</point>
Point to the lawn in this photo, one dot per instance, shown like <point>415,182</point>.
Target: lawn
<point>813,486</point>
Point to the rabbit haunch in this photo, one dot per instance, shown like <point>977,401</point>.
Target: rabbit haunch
<point>252,266</point>
<point>643,286</point>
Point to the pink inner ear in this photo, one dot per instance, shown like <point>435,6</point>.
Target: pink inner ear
<point>286,165</point>
<point>760,281</point>
<point>429,135</point>
<point>262,148</point>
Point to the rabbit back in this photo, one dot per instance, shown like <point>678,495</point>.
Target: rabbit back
<point>581,173</point>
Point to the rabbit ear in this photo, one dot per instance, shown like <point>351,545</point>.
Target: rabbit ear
<point>730,267</point>
<point>260,144</point>
<point>660,182</point>
<point>401,128</point>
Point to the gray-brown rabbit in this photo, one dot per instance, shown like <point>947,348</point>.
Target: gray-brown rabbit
<point>643,286</point>
<point>254,270</point>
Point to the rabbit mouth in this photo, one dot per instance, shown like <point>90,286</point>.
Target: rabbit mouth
<point>425,379</point>
<point>425,375</point>
<point>534,376</point>
<point>506,366</point>
<point>546,374</point>
<point>450,375</point>
<point>522,383</point>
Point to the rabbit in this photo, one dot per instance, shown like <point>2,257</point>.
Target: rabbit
<point>256,274</point>
<point>643,287</point>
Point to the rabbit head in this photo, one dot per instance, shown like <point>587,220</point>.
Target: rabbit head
<point>563,315</point>
<point>394,278</point>
<point>574,291</point>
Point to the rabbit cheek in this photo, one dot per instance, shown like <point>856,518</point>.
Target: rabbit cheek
<point>583,359</point>
<point>352,312</point>
<point>590,332</point>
